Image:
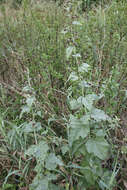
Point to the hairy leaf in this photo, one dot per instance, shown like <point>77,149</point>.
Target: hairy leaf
<point>98,146</point>
<point>73,76</point>
<point>69,51</point>
<point>32,126</point>
<point>30,100</point>
<point>52,161</point>
<point>25,109</point>
<point>39,151</point>
<point>74,104</point>
<point>88,100</point>
<point>64,149</point>
<point>99,115</point>
<point>78,128</point>
<point>84,67</point>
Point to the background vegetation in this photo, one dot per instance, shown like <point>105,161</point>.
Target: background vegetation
<point>63,92</point>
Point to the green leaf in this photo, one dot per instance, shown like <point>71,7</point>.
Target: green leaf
<point>90,177</point>
<point>88,100</point>
<point>85,84</point>
<point>76,23</point>
<point>73,76</point>
<point>100,133</point>
<point>32,126</point>
<point>54,187</point>
<point>124,149</point>
<point>25,109</point>
<point>74,104</point>
<point>88,103</point>
<point>26,89</point>
<point>2,150</point>
<point>43,185</point>
<point>52,162</point>
<point>98,146</point>
<point>83,68</point>
<point>99,115</point>
<point>39,151</point>
<point>92,97</point>
<point>64,31</point>
<point>39,113</point>
<point>64,149</point>
<point>69,51</point>
<point>76,55</point>
<point>30,100</point>
<point>78,128</point>
<point>40,182</point>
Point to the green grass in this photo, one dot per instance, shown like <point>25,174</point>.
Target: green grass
<point>46,90</point>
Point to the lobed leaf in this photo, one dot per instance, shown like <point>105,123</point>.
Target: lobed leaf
<point>98,146</point>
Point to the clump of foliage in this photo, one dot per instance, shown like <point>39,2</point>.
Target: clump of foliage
<point>76,155</point>
<point>63,96</point>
